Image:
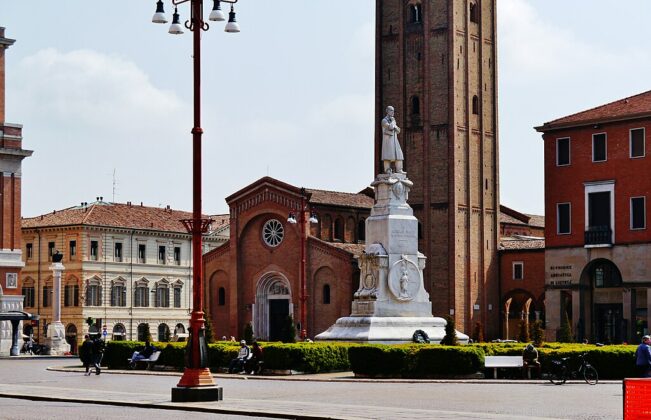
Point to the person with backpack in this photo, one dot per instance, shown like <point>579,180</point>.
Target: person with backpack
<point>98,352</point>
<point>86,354</point>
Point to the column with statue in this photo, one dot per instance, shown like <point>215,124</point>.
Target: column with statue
<point>56,332</point>
<point>391,304</point>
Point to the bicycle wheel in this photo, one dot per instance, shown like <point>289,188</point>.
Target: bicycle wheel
<point>590,375</point>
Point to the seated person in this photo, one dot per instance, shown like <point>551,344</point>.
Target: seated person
<point>530,359</point>
<point>253,364</point>
<point>145,353</point>
<point>242,357</point>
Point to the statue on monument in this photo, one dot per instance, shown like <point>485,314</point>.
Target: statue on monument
<point>391,151</point>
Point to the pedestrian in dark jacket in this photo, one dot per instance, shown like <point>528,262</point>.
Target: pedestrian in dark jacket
<point>86,353</point>
<point>643,357</point>
<point>98,353</point>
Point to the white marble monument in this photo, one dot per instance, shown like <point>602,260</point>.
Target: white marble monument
<point>56,332</point>
<point>391,302</point>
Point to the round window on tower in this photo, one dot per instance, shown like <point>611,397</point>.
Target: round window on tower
<point>273,233</point>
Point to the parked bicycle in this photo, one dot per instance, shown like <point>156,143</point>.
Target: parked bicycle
<point>566,368</point>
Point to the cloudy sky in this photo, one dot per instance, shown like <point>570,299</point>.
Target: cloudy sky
<point>105,96</point>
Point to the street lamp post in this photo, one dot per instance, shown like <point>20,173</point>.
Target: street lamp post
<point>303,244</point>
<point>197,383</point>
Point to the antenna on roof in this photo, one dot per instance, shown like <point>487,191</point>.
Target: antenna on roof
<point>115,183</point>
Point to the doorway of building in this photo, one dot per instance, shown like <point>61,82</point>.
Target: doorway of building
<point>278,313</point>
<point>273,303</point>
<point>609,323</point>
<point>71,337</point>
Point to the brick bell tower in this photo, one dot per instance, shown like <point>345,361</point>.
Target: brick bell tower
<point>436,64</point>
<point>11,157</point>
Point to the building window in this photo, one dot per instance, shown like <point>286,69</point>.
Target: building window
<point>638,213</point>
<point>416,13</point>
<point>637,142</point>
<point>415,105</point>
<point>119,332</point>
<point>142,253</point>
<point>475,105</point>
<point>273,233</point>
<point>599,213</point>
<point>162,296</point>
<point>599,210</point>
<point>47,296</point>
<point>118,295</point>
<point>563,151</point>
<point>71,295</point>
<point>29,250</point>
<point>72,249</point>
<point>326,294</point>
<point>161,254</point>
<point>605,274</point>
<point>563,215</point>
<point>474,12</point>
<point>518,270</point>
<point>143,332</point>
<point>177,255</point>
<point>361,230</point>
<point>177,297</point>
<point>339,230</point>
<point>93,295</point>
<point>599,149</point>
<point>50,250</point>
<point>163,333</point>
<point>117,253</point>
<point>141,296</point>
<point>28,293</point>
<point>221,296</point>
<point>94,248</point>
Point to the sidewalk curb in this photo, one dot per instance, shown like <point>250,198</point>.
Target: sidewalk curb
<point>169,406</point>
<point>315,378</point>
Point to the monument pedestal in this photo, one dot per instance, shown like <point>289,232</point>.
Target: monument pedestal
<point>56,339</point>
<point>391,302</point>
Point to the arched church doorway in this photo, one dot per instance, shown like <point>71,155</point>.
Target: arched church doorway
<point>273,304</point>
<point>602,303</point>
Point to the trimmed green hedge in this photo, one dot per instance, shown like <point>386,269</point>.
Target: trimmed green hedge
<point>415,360</point>
<point>405,360</point>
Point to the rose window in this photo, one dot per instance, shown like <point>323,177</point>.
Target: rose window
<point>273,232</point>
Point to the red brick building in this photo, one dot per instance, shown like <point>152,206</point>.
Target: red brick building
<point>257,276</point>
<point>11,156</point>
<point>597,266</point>
<point>436,64</point>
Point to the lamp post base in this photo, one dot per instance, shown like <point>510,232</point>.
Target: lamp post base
<point>197,394</point>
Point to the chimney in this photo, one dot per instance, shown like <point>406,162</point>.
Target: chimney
<point>4,44</point>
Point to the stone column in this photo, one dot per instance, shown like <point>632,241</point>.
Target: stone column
<point>56,332</point>
<point>576,316</point>
<point>552,313</point>
<point>628,313</point>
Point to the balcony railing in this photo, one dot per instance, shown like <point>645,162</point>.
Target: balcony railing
<point>599,235</point>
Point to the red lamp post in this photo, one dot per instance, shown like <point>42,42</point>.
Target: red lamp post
<point>303,268</point>
<point>197,383</point>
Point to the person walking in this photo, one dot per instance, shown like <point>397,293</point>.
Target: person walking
<point>98,353</point>
<point>643,357</point>
<point>86,354</point>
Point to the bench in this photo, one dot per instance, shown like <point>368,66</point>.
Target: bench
<point>151,361</point>
<point>496,362</point>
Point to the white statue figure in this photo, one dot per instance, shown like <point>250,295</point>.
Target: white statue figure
<point>404,282</point>
<point>391,151</point>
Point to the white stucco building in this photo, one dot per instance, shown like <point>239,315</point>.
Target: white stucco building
<point>126,266</point>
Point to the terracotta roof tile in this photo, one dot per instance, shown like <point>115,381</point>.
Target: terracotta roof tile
<point>355,249</point>
<point>115,215</point>
<point>512,243</point>
<point>336,198</point>
<point>631,107</point>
